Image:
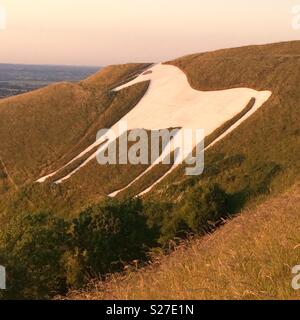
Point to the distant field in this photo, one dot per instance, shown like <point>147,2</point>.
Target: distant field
<point>16,79</point>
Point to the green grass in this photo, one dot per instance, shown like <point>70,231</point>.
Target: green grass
<point>250,257</point>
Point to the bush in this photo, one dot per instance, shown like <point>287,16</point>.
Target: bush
<point>110,233</point>
<point>31,248</point>
<point>204,207</point>
<point>45,256</point>
<point>199,212</point>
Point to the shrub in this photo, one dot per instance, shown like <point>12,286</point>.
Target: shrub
<point>31,248</point>
<point>200,211</point>
<point>204,206</point>
<point>46,256</point>
<point>110,233</point>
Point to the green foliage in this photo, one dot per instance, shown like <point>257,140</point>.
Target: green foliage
<point>249,258</point>
<point>31,248</point>
<point>199,212</point>
<point>110,233</point>
<point>45,255</point>
<point>204,206</point>
<point>75,262</point>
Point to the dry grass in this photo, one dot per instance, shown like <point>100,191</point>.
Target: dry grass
<point>250,257</point>
<point>65,118</point>
<point>43,130</point>
<point>32,125</point>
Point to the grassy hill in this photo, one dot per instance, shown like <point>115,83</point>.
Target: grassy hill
<point>260,156</point>
<point>32,125</point>
<point>250,257</point>
<point>43,130</point>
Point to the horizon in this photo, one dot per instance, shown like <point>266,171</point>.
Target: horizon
<point>101,33</point>
<point>103,66</point>
<point>51,65</point>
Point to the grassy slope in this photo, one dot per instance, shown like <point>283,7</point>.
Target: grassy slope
<point>250,257</point>
<point>268,143</point>
<point>260,156</point>
<point>32,127</point>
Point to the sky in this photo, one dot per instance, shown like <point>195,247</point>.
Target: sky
<point>103,32</point>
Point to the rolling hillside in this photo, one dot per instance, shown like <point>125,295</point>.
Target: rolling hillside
<point>32,126</point>
<point>53,189</point>
<point>263,146</point>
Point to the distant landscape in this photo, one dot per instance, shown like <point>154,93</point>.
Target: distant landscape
<point>17,78</point>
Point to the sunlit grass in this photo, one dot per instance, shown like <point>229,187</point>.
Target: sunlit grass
<point>250,257</point>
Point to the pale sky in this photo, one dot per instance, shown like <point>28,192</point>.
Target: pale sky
<point>102,32</point>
